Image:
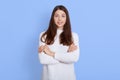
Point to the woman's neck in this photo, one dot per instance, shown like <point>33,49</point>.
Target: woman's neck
<point>59,30</point>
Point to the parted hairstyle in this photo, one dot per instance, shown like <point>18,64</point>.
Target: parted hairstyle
<point>65,36</point>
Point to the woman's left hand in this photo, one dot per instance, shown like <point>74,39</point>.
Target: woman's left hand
<point>72,48</point>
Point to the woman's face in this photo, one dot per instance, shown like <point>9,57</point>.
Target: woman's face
<point>60,18</point>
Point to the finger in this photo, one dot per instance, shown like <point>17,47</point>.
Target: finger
<point>73,48</point>
<point>46,46</point>
<point>40,49</point>
<point>73,43</point>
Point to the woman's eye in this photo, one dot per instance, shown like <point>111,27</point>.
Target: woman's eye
<point>56,15</point>
<point>63,16</point>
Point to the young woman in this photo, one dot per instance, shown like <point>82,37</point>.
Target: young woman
<point>58,47</point>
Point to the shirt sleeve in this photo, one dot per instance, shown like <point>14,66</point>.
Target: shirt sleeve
<point>70,57</point>
<point>44,58</point>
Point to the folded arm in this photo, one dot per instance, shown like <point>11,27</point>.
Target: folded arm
<point>48,57</point>
<point>70,57</point>
<point>44,58</point>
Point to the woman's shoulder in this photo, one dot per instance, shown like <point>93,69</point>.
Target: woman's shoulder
<point>41,33</point>
<point>74,34</point>
<point>75,37</point>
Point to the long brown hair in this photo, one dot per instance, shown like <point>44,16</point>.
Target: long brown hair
<point>65,36</point>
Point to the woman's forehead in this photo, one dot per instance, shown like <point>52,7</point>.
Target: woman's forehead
<point>59,12</point>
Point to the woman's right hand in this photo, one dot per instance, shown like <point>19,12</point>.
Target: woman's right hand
<point>72,48</point>
<point>44,48</point>
<point>41,48</point>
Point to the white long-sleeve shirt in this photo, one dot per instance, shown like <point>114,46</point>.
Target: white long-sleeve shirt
<point>61,66</point>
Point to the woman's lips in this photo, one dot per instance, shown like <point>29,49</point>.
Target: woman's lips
<point>60,23</point>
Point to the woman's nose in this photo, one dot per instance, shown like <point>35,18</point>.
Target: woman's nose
<point>59,18</point>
